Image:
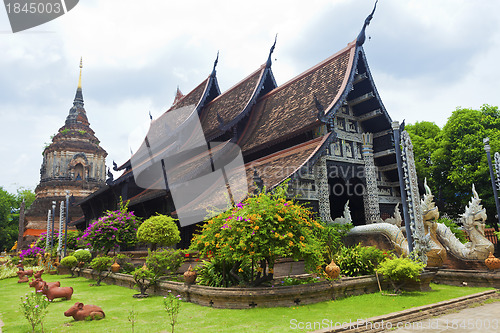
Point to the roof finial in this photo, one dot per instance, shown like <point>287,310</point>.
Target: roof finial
<point>80,78</point>
<point>361,37</point>
<point>79,95</point>
<point>269,62</point>
<point>215,65</point>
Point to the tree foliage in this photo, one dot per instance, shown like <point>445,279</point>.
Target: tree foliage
<point>425,138</point>
<point>453,158</point>
<point>159,230</point>
<point>9,215</point>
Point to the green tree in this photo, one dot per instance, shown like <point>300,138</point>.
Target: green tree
<point>159,230</point>
<point>461,159</point>
<point>9,215</point>
<point>453,158</point>
<point>425,137</point>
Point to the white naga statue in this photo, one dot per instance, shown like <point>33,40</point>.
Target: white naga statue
<point>473,220</point>
<point>346,218</point>
<point>441,236</point>
<point>395,219</point>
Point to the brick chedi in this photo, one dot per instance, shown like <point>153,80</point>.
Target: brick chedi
<point>74,162</point>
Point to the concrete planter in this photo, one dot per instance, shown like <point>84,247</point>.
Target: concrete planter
<point>471,278</point>
<point>244,298</point>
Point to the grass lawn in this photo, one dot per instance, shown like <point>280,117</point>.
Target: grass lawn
<point>117,302</point>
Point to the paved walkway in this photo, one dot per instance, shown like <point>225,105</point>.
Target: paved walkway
<point>478,318</point>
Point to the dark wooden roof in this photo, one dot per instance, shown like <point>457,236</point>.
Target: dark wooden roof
<point>272,169</point>
<point>232,103</point>
<point>291,108</point>
<point>195,97</point>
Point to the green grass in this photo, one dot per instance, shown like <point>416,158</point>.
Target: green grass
<point>117,302</point>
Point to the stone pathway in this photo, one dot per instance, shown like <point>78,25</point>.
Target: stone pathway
<point>479,318</point>
<point>462,314</point>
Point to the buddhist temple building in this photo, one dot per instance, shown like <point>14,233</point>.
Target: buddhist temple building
<point>73,162</point>
<point>326,131</point>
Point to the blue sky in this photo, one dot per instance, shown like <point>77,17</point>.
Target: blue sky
<point>427,58</point>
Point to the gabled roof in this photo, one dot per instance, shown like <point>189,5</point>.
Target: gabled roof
<point>236,101</point>
<point>196,97</point>
<point>277,113</point>
<point>272,169</point>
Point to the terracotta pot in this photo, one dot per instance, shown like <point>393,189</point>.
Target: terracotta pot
<point>332,270</point>
<point>492,263</point>
<point>190,276</point>
<point>115,268</point>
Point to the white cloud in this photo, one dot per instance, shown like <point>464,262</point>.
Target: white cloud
<point>427,58</point>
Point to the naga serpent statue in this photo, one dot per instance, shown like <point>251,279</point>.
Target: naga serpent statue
<point>442,238</point>
<point>473,221</point>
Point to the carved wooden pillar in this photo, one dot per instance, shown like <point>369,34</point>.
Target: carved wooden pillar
<point>322,190</point>
<point>370,198</point>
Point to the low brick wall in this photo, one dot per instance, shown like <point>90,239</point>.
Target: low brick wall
<point>471,278</point>
<point>244,298</point>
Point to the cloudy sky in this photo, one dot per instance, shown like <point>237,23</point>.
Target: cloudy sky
<point>428,57</point>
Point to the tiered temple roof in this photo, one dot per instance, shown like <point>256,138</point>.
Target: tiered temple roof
<point>74,161</point>
<point>281,130</point>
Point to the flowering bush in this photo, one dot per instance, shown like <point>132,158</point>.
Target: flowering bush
<point>259,230</point>
<point>34,308</point>
<point>116,228</point>
<point>31,252</point>
<point>71,239</point>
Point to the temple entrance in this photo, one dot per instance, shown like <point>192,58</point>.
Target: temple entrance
<point>342,190</point>
<point>356,201</point>
<point>337,196</point>
<point>346,182</point>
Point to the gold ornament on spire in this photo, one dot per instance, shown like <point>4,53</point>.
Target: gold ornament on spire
<point>80,78</point>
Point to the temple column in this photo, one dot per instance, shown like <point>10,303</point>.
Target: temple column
<point>370,197</point>
<point>322,190</point>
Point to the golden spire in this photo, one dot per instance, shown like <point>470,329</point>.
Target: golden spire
<point>80,79</point>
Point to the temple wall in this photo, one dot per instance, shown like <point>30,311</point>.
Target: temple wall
<point>355,159</point>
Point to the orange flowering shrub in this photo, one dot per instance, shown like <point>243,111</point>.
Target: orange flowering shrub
<point>257,231</point>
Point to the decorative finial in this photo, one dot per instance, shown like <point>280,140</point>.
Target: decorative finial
<point>215,65</point>
<point>80,78</point>
<point>269,62</point>
<point>361,37</point>
<point>320,108</point>
<point>220,120</point>
<point>110,179</point>
<point>258,182</point>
